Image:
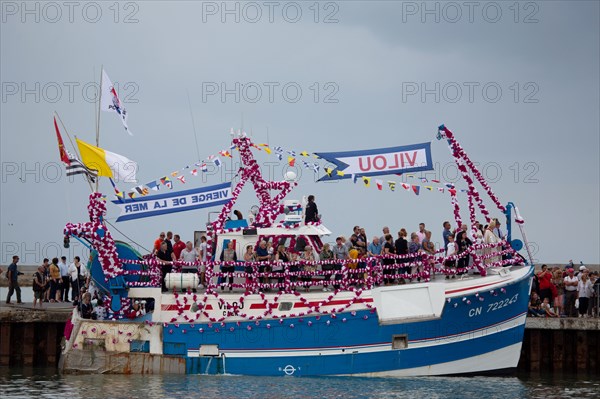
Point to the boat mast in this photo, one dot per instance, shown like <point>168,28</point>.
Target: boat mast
<point>98,118</point>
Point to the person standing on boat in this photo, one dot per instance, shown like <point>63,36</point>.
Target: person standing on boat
<point>189,254</point>
<point>13,280</point>
<point>340,252</point>
<point>386,231</point>
<point>414,247</point>
<point>228,255</point>
<point>388,249</point>
<point>203,258</point>
<point>178,246</point>
<point>312,213</point>
<point>445,233</point>
<point>463,242</point>
<point>374,248</point>
<point>281,257</point>
<point>262,255</point>
<point>308,256</point>
<point>490,238</point>
<point>327,256</point>
<point>421,233</point>
<point>170,245</point>
<point>249,256</point>
<point>158,241</point>
<point>451,250</point>
<point>166,265</point>
<point>401,248</point>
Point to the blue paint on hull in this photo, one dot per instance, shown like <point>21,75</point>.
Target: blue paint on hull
<point>463,331</point>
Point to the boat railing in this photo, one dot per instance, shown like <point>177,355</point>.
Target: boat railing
<point>337,274</point>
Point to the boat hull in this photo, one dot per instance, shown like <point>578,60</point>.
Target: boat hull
<point>478,328</point>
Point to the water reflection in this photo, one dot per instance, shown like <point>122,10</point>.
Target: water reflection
<point>30,383</point>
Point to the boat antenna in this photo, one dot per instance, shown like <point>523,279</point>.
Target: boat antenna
<point>193,124</point>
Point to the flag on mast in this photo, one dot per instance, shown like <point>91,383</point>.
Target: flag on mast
<point>76,167</point>
<point>64,157</point>
<point>107,163</point>
<point>110,102</point>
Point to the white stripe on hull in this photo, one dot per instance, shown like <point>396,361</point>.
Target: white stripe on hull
<point>505,358</point>
<point>324,351</point>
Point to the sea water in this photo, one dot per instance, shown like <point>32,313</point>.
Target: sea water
<point>46,383</point>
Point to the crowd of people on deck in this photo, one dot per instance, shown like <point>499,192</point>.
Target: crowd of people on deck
<point>565,292</point>
<point>169,248</point>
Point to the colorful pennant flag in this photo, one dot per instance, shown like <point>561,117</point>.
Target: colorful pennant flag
<point>379,184</point>
<point>181,179</point>
<point>291,161</point>
<point>61,146</point>
<point>416,189</point>
<point>392,185</point>
<point>367,181</point>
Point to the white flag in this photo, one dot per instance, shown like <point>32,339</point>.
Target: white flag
<point>110,102</point>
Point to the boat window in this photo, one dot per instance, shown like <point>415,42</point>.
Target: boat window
<point>399,341</point>
<point>285,306</point>
<point>94,343</point>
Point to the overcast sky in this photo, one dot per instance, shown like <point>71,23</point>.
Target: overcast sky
<point>518,83</point>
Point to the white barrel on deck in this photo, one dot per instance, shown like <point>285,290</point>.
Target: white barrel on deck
<point>181,281</point>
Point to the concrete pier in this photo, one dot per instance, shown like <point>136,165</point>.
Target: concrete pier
<point>561,345</point>
<point>31,337</point>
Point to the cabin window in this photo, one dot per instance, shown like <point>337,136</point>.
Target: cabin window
<point>285,306</point>
<point>399,341</point>
<point>139,346</point>
<point>92,343</point>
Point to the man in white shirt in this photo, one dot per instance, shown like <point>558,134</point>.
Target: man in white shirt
<point>571,284</point>
<point>189,254</point>
<point>421,233</point>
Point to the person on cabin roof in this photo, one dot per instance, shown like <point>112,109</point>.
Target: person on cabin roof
<point>312,213</point>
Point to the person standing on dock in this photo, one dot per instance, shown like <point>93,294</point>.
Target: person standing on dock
<point>39,286</point>
<point>571,284</point>
<point>13,280</point>
<point>66,279</point>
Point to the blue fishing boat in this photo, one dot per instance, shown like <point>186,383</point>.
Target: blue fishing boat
<point>385,315</point>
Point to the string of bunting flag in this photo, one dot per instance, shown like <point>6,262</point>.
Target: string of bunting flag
<point>305,159</point>
<point>291,157</point>
<point>415,188</point>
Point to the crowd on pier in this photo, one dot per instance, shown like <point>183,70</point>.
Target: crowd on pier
<point>565,292</point>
